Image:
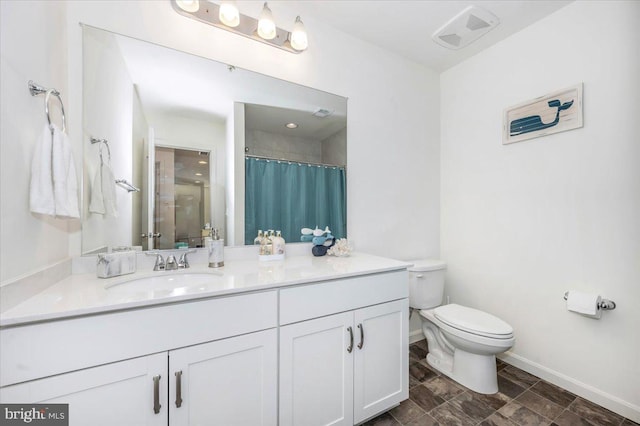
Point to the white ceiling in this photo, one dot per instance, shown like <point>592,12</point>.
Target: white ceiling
<point>273,120</point>
<point>400,26</point>
<point>200,88</point>
<point>405,27</point>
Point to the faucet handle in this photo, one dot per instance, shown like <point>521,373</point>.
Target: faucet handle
<point>171,263</point>
<point>183,263</point>
<point>159,265</point>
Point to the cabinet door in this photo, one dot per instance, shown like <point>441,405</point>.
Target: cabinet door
<point>316,372</point>
<point>381,376</point>
<point>121,393</point>
<point>230,382</point>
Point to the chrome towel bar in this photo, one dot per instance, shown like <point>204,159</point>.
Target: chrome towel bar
<point>122,183</point>
<point>35,89</point>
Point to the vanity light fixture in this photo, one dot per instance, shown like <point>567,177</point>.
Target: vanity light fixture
<point>266,24</point>
<point>229,13</point>
<point>188,5</point>
<point>227,17</point>
<point>299,36</point>
<point>291,126</point>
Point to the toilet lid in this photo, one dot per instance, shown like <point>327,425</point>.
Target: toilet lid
<point>473,321</point>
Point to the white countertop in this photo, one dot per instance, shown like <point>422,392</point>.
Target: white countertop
<point>84,294</point>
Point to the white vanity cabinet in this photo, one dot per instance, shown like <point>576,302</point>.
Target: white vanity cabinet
<point>225,380</point>
<point>343,368</point>
<point>120,393</point>
<point>325,343</point>
<point>229,382</point>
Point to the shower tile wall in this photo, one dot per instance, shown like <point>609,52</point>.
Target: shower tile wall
<point>334,148</point>
<point>279,146</point>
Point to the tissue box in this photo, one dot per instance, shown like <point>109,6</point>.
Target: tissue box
<point>116,264</point>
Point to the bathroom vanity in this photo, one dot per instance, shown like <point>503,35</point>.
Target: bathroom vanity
<point>305,341</point>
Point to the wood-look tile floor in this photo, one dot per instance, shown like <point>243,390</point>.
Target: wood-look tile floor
<point>522,399</point>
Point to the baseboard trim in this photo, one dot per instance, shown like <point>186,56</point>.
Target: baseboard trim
<point>415,336</point>
<point>579,388</point>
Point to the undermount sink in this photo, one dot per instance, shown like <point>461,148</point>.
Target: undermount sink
<point>165,281</point>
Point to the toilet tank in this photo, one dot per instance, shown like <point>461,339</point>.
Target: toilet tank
<point>426,283</point>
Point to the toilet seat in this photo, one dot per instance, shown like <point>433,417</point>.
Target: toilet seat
<point>473,321</point>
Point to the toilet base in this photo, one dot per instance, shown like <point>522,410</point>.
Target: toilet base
<point>474,371</point>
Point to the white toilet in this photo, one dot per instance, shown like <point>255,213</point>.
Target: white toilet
<point>463,342</point>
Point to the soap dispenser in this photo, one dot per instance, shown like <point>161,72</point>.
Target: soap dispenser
<point>278,243</point>
<point>258,239</point>
<point>215,249</point>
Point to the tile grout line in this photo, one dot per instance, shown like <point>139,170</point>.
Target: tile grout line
<point>530,388</point>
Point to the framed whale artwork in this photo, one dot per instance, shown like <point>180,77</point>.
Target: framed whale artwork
<point>552,113</point>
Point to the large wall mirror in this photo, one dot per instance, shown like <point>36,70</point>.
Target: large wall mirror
<point>208,145</point>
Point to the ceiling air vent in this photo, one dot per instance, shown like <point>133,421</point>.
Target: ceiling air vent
<point>465,28</point>
<point>322,113</point>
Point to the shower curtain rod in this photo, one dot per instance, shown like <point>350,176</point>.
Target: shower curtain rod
<point>306,163</point>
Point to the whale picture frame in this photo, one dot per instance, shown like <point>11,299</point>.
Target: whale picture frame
<point>555,112</point>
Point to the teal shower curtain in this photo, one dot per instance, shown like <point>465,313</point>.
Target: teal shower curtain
<point>290,196</point>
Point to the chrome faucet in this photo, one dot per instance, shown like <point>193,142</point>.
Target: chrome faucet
<point>171,264</point>
<point>159,265</point>
<point>183,263</point>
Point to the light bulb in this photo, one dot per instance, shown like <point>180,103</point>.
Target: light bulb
<point>266,25</point>
<point>188,5</point>
<point>299,36</point>
<point>229,14</point>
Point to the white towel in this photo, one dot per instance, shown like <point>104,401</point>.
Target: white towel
<point>54,184</point>
<point>103,192</point>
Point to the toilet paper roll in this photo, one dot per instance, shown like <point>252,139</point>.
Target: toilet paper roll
<point>584,303</point>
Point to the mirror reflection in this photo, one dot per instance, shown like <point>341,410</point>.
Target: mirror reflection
<point>182,201</point>
<point>183,128</point>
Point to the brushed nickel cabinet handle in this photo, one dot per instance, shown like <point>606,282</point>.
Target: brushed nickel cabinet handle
<point>350,347</point>
<point>361,344</point>
<point>179,388</point>
<point>156,394</point>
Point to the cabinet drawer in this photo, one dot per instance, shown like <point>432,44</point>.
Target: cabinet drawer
<point>121,393</point>
<point>41,350</point>
<point>330,297</point>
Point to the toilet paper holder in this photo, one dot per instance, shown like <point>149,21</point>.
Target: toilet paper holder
<point>605,304</point>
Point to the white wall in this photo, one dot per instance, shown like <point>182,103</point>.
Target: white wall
<point>393,171</point>
<point>139,179</point>
<point>395,90</point>
<point>29,242</point>
<point>523,223</point>
<point>111,118</point>
<point>235,175</point>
